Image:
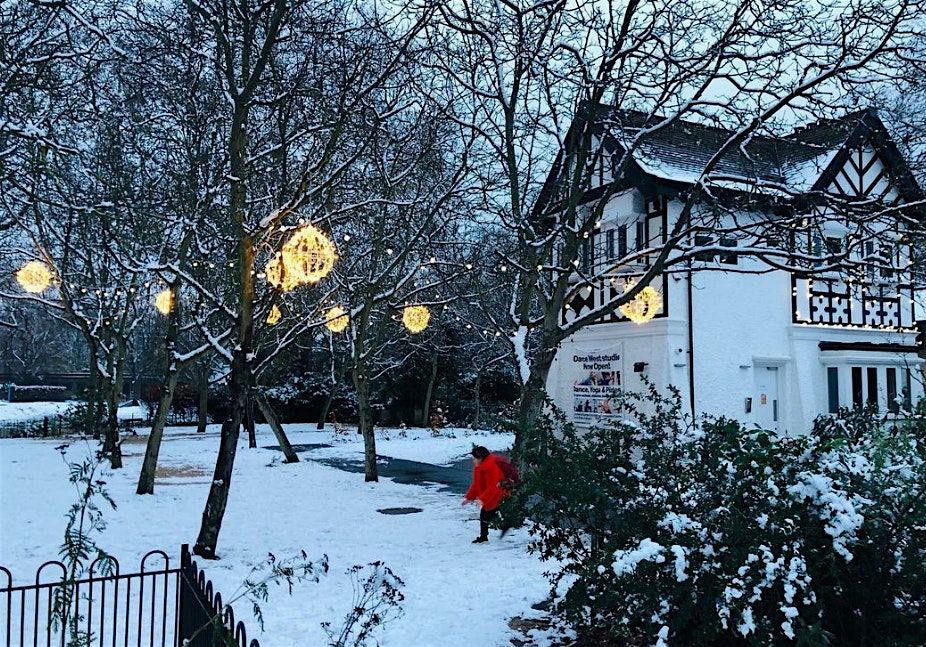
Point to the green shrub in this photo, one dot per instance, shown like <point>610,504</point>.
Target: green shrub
<point>662,531</point>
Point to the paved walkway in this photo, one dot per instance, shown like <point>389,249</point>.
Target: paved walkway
<point>455,477</point>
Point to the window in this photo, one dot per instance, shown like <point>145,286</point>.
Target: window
<point>857,387</point>
<point>703,240</point>
<point>873,387</point>
<point>816,248</point>
<point>622,241</point>
<point>907,395</point>
<point>609,243</point>
<point>869,258</point>
<point>728,259</point>
<point>892,405</point>
<point>586,256</point>
<point>833,245</point>
<point>640,241</point>
<point>887,259</point>
<point>832,380</point>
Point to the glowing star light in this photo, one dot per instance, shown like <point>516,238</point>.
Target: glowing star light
<point>34,277</point>
<point>274,315</point>
<point>307,257</point>
<point>164,301</point>
<point>416,318</point>
<point>644,306</point>
<point>336,319</point>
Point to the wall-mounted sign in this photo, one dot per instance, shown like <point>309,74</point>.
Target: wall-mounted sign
<point>596,381</point>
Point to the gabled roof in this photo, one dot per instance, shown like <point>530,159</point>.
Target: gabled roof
<point>676,151</point>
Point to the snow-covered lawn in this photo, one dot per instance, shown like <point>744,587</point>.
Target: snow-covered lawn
<point>25,411</point>
<point>456,593</point>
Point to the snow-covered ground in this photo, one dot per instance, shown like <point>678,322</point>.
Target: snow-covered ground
<point>25,411</point>
<point>456,593</point>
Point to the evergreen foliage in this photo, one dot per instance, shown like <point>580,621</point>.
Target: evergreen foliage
<point>664,530</point>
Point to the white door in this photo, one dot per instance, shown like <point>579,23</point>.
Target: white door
<point>765,405</point>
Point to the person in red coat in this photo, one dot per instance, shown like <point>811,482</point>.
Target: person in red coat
<point>487,474</point>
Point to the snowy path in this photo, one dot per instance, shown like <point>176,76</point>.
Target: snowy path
<point>456,593</point>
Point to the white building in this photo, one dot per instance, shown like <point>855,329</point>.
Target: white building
<point>736,336</point>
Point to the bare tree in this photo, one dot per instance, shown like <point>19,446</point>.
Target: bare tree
<point>400,247</point>
<point>300,79</point>
<point>582,88</point>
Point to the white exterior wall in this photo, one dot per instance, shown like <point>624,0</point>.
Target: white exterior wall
<point>743,326</point>
<point>740,321</point>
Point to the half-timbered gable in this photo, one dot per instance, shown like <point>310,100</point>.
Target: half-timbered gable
<point>737,335</point>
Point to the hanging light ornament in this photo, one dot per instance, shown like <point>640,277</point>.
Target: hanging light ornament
<point>416,318</point>
<point>34,277</point>
<point>644,306</point>
<point>336,319</point>
<point>307,257</point>
<point>278,276</point>
<point>274,315</point>
<point>164,301</point>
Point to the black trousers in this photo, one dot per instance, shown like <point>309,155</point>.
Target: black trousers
<point>485,516</point>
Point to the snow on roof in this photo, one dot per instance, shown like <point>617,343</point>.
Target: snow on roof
<point>678,150</point>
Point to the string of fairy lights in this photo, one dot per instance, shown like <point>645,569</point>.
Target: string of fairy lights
<point>306,258</point>
<point>309,256</point>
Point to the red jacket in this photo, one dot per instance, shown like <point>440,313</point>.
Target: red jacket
<point>486,477</point>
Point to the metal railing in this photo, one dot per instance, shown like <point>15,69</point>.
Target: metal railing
<point>156,606</point>
<point>46,427</point>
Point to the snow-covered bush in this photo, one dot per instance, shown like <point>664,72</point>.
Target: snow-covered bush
<point>39,393</point>
<point>301,398</point>
<point>666,532</point>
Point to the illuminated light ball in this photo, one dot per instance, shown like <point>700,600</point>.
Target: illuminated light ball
<point>274,315</point>
<point>307,257</point>
<point>278,276</point>
<point>164,301</point>
<point>336,319</point>
<point>644,306</point>
<point>416,318</point>
<point>34,277</point>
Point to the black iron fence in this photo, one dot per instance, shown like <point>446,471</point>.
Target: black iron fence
<point>159,605</point>
<point>47,427</point>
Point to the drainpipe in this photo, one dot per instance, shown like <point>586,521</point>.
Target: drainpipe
<point>691,356</point>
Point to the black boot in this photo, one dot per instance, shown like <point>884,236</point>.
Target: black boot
<point>483,533</point>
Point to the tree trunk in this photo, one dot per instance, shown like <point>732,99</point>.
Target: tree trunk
<point>203,408</point>
<point>153,448</point>
<point>478,414</point>
<point>93,421</point>
<point>111,447</point>
<point>329,399</point>
<point>365,411</point>
<point>221,482</point>
<point>214,511</point>
<point>289,455</point>
<point>530,443</point>
<point>249,425</point>
<point>332,394</point>
<point>168,387</point>
<point>241,371</point>
<point>430,391</point>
